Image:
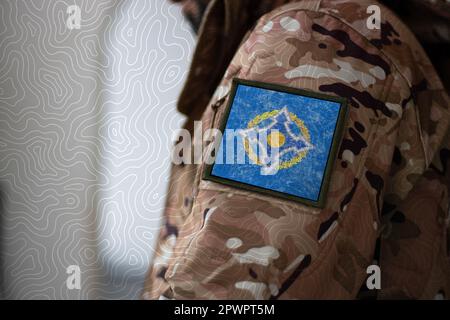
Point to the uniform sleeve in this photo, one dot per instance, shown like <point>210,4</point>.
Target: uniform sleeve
<point>238,244</point>
<point>414,256</point>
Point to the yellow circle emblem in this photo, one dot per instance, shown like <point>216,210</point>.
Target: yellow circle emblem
<point>278,139</point>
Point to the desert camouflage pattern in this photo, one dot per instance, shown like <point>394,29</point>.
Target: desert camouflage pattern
<point>390,180</point>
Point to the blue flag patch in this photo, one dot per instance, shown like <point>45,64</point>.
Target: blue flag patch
<point>289,137</point>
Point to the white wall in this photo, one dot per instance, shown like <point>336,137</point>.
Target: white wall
<point>85,119</point>
<point>148,51</point>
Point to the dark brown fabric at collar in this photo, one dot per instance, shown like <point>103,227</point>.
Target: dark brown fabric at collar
<point>223,26</point>
<point>193,11</point>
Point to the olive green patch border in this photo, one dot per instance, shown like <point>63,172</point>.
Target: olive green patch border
<point>337,137</point>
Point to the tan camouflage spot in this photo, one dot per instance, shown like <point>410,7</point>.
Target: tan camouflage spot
<point>395,107</point>
<point>289,24</point>
<point>221,92</point>
<point>345,73</point>
<point>273,289</point>
<point>328,232</point>
<point>348,156</point>
<point>267,27</point>
<point>439,296</point>
<point>375,226</point>
<point>294,263</point>
<point>174,270</point>
<point>261,256</point>
<point>350,74</point>
<point>166,250</point>
<point>405,146</point>
<point>209,213</point>
<point>171,240</point>
<point>255,288</point>
<point>378,72</point>
<point>233,243</point>
<point>435,113</point>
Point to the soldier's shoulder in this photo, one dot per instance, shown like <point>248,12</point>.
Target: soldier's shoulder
<point>393,39</point>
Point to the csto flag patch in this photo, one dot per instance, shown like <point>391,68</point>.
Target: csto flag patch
<point>279,141</point>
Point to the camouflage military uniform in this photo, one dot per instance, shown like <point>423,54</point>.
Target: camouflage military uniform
<point>390,180</point>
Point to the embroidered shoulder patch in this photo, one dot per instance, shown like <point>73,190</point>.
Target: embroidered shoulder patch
<point>278,140</point>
